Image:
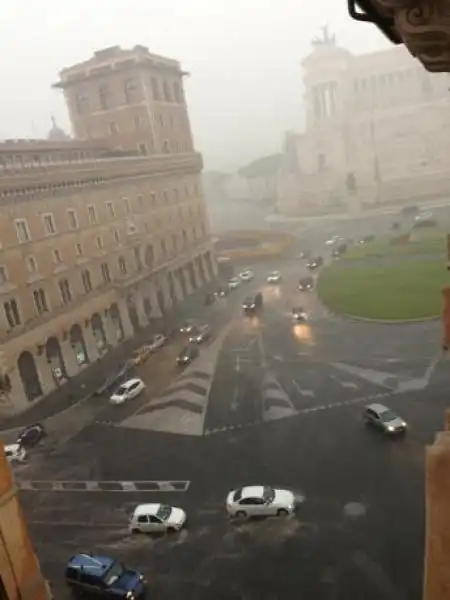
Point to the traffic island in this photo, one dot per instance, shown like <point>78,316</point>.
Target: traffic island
<point>384,290</point>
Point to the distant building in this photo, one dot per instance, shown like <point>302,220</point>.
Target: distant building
<point>56,134</point>
<point>377,129</point>
<point>262,178</point>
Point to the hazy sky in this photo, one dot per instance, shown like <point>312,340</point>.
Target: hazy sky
<point>244,57</point>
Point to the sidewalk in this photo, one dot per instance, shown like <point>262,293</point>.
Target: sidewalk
<point>82,387</point>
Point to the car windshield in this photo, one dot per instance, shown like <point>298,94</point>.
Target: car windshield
<point>113,573</point>
<point>268,494</point>
<point>237,495</point>
<point>388,415</point>
<point>164,512</point>
<point>122,390</point>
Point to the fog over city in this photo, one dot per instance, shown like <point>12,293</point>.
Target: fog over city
<point>244,58</point>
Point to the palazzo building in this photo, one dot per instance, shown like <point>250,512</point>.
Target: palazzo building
<point>102,235</point>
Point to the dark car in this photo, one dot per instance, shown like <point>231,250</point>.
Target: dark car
<point>306,284</point>
<point>253,303</point>
<point>315,263</point>
<point>200,334</point>
<point>96,575</point>
<point>31,436</point>
<point>339,251</point>
<point>187,355</point>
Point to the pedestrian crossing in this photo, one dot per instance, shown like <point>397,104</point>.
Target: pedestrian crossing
<point>275,401</point>
<point>182,408</point>
<point>103,486</point>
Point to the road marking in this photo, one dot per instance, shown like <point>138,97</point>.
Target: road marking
<point>104,486</point>
<point>77,524</point>
<point>235,403</point>
<point>308,393</point>
<point>345,384</point>
<point>377,377</point>
<point>238,363</point>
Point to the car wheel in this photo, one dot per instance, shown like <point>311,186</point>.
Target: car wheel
<point>171,530</point>
<point>241,514</point>
<point>134,531</point>
<point>282,512</point>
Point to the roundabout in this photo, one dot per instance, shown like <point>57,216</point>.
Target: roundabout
<point>386,282</point>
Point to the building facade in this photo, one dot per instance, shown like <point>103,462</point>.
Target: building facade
<point>376,130</point>
<point>93,249</point>
<point>20,575</point>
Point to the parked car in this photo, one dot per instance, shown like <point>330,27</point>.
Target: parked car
<point>246,275</point>
<point>234,283</point>
<point>274,277</point>
<point>127,391</point>
<point>157,341</point>
<point>114,380</point>
<point>187,355</point>
<point>15,453</point>
<point>155,518</point>
<point>97,575</point>
<point>31,435</point>
<point>384,418</point>
<point>200,334</point>
<point>260,500</point>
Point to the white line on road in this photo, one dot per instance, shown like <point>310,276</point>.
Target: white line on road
<point>308,393</point>
<point>235,403</point>
<point>345,384</point>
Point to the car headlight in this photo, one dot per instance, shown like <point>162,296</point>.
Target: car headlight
<point>130,595</point>
<point>390,428</point>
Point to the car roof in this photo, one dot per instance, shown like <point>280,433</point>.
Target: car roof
<point>252,491</point>
<point>146,509</point>
<point>130,382</point>
<point>378,408</point>
<point>93,563</point>
<point>11,447</point>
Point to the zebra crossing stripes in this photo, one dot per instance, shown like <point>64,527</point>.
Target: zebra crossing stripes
<point>104,486</point>
<point>275,401</point>
<point>182,408</point>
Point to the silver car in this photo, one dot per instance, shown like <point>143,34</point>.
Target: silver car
<point>384,419</point>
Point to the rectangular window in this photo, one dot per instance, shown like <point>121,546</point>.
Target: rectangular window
<point>111,211</point>
<point>22,230</point>
<point>72,218</point>
<point>92,215</point>
<point>31,264</point>
<point>113,128</point>
<point>99,241</point>
<point>155,88</point>
<point>117,236</point>
<point>106,273</point>
<point>3,275</point>
<point>127,204</point>
<point>57,257</point>
<point>66,293</point>
<point>49,224</point>
<point>140,202</point>
<point>12,312</point>
<point>40,301</point>
<point>153,198</point>
<point>78,249</point>
<point>137,123</point>
<point>143,149</point>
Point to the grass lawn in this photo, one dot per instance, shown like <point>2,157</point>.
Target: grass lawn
<point>404,290</point>
<point>427,245</point>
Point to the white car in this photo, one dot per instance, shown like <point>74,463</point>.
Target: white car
<point>128,390</point>
<point>154,518</point>
<point>15,453</point>
<point>157,342</point>
<point>246,275</point>
<point>260,500</point>
<point>423,216</point>
<point>234,283</point>
<point>274,277</point>
<point>332,241</point>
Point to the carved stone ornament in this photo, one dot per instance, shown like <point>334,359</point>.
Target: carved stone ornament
<point>424,26</point>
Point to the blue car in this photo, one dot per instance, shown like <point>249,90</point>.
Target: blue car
<point>92,574</point>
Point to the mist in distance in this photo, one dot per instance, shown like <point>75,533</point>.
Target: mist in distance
<point>244,56</point>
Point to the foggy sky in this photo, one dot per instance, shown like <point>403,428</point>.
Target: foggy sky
<point>244,57</point>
